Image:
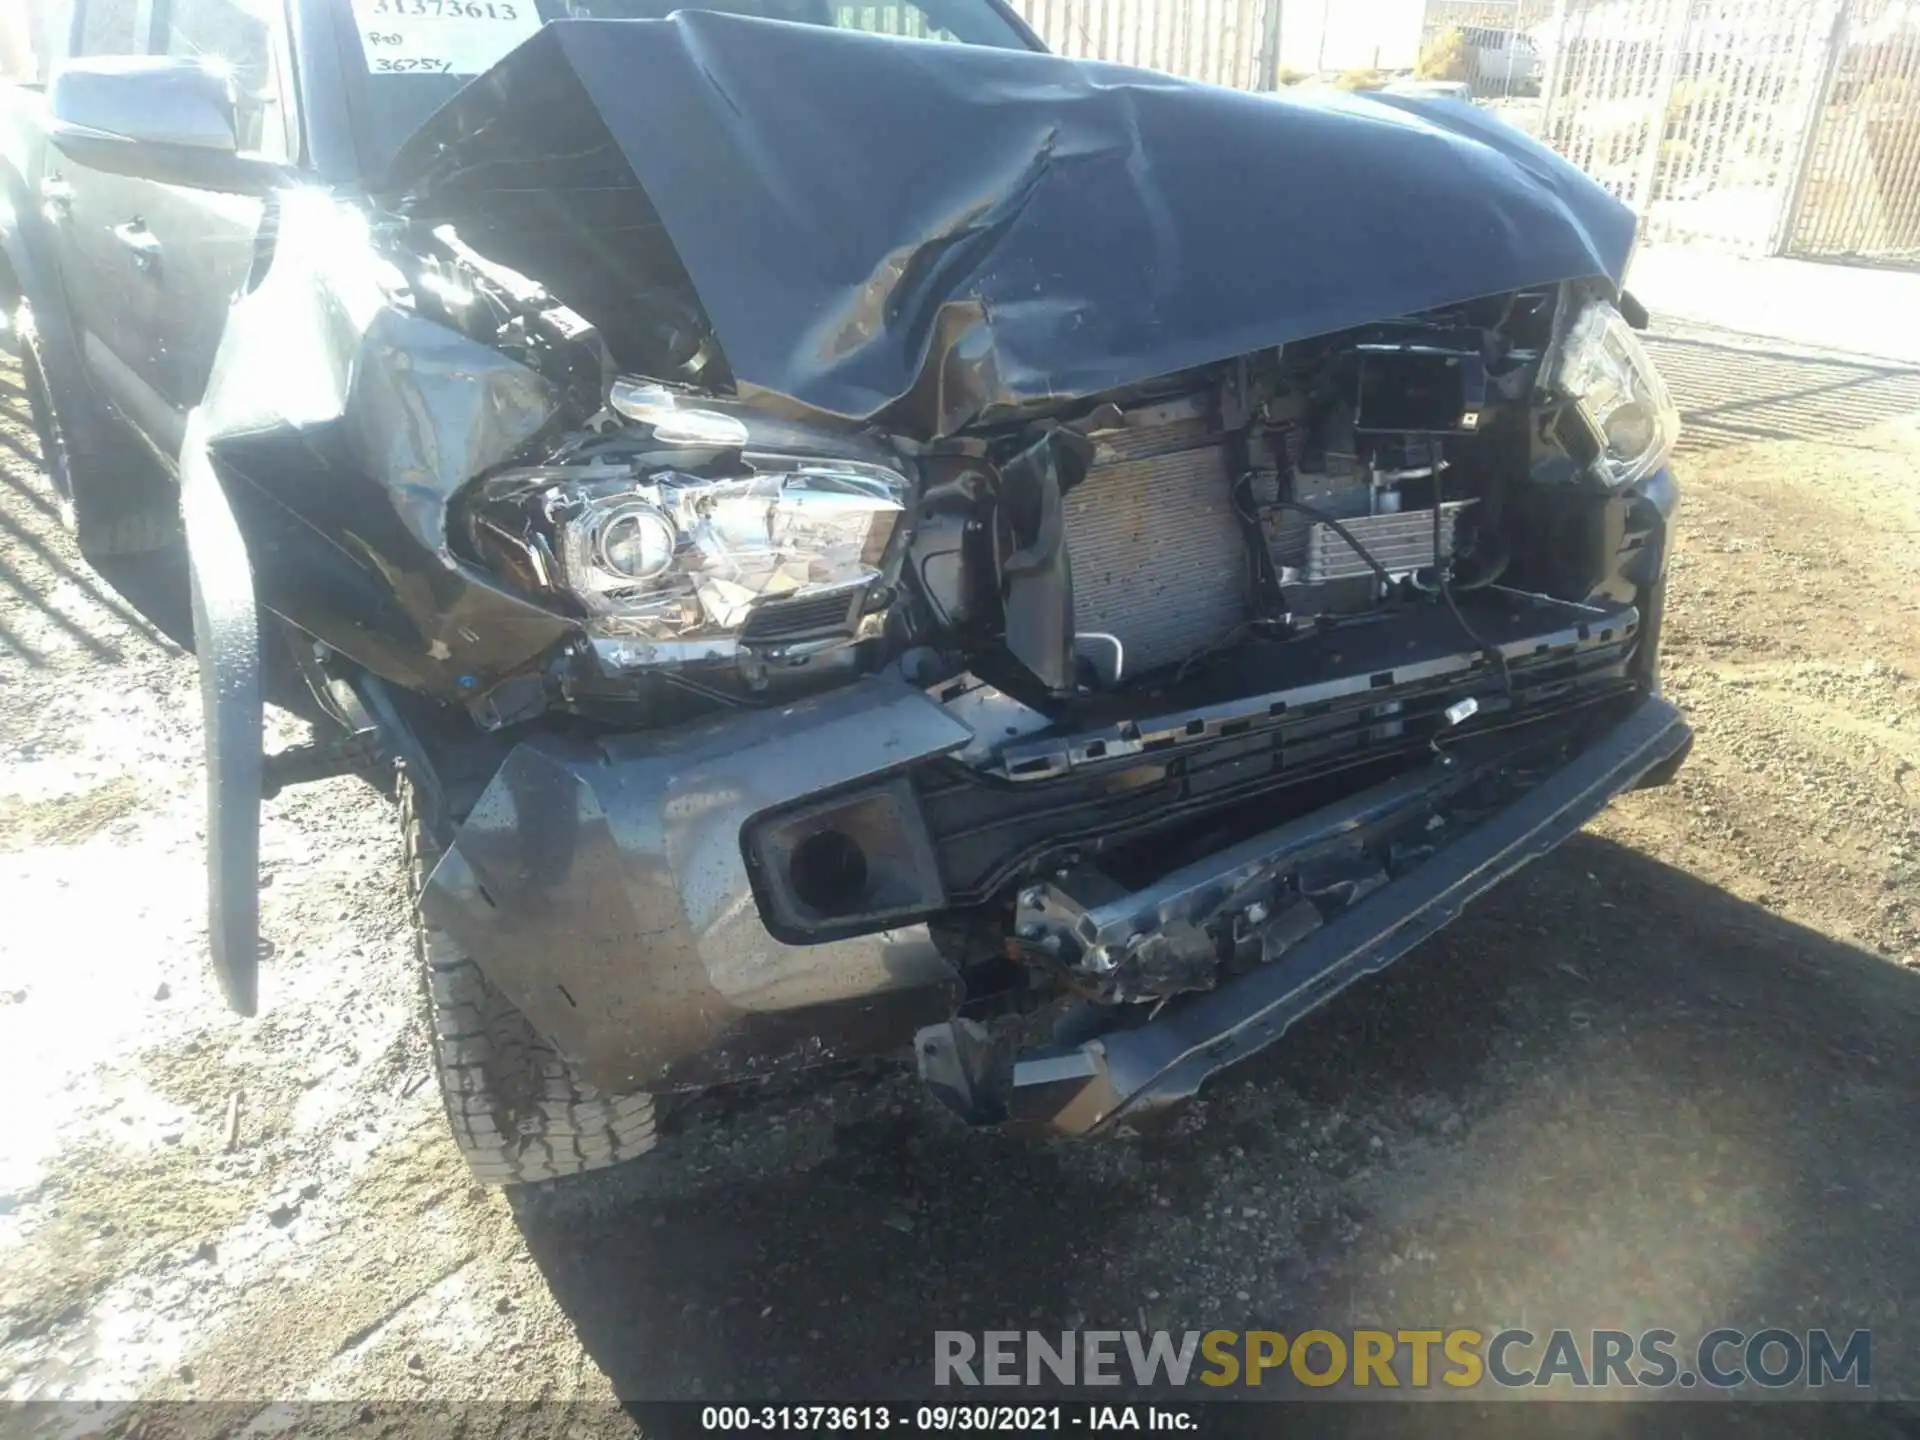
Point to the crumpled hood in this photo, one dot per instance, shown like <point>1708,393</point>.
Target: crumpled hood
<point>919,233</point>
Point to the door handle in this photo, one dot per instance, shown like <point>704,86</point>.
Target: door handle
<point>56,196</point>
<point>142,242</point>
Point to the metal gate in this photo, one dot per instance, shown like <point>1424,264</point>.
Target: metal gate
<point>1692,111</point>
<point>1493,45</point>
<point>1223,42</point>
<point>1858,192</point>
<point>1769,126</point>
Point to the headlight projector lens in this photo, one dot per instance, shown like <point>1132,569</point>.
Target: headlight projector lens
<point>636,543</point>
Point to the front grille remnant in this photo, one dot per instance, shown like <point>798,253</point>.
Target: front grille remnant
<point>1158,557</point>
<point>831,612</point>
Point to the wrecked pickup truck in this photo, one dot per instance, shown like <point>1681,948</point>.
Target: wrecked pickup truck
<point>848,542</point>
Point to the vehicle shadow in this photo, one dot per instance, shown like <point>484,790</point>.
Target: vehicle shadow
<point>143,603</point>
<point>1610,1088</point>
<point>1744,388</point>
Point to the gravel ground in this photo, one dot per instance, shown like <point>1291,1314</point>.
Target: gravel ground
<point>1663,1077</point>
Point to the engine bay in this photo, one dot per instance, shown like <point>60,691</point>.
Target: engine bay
<point>720,555</point>
<point>1317,484</point>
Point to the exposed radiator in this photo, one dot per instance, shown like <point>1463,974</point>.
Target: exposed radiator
<point>1158,558</point>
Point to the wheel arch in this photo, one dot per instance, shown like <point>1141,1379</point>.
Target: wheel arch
<point>226,635</point>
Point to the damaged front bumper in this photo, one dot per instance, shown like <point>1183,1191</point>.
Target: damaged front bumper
<point>627,895</point>
<point>1134,1071</point>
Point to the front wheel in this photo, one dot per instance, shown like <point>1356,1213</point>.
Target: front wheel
<point>518,1113</point>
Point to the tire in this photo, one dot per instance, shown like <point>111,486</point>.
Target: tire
<point>518,1113</point>
<point>107,486</point>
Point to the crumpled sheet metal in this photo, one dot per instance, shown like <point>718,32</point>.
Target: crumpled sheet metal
<point>340,426</point>
<point>921,233</point>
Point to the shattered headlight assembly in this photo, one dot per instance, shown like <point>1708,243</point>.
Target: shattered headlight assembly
<point>786,550</point>
<point>1629,417</point>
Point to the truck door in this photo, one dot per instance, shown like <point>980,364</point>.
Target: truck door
<point>109,300</point>
<point>150,269</point>
<point>204,244</point>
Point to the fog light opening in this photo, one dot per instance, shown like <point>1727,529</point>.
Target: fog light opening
<point>828,871</point>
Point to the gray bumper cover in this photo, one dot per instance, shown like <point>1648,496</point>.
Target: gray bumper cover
<point>602,888</point>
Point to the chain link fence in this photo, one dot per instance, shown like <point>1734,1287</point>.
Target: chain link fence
<point>1223,42</point>
<point>1492,45</point>
<point>1763,126</point>
<point>1694,112</point>
<point>1767,126</point>
<point>1857,192</point>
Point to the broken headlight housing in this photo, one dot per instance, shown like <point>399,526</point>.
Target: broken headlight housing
<point>696,559</point>
<point>1628,418</point>
<point>684,557</point>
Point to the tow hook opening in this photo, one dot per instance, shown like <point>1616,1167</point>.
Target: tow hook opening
<point>828,871</point>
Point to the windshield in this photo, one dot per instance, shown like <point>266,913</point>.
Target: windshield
<point>407,57</point>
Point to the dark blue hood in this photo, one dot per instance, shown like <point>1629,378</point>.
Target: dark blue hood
<point>920,233</point>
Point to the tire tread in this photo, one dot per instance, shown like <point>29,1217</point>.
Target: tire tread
<point>517,1112</point>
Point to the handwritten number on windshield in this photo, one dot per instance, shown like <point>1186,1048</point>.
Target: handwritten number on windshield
<point>451,9</point>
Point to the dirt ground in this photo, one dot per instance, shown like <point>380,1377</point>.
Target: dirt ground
<point>1663,1077</point>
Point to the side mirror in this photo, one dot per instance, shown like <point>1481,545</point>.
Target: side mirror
<point>155,118</point>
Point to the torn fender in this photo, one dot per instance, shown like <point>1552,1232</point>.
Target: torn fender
<point>340,425</point>
<point>922,234</point>
<point>315,477</point>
